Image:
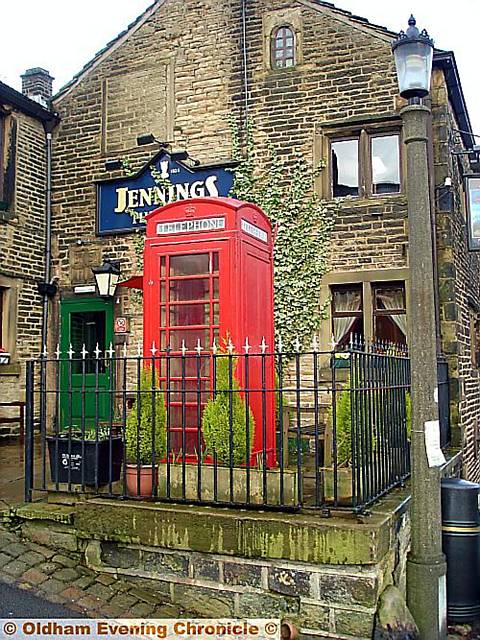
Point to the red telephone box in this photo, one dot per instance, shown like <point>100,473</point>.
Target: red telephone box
<point>208,275</point>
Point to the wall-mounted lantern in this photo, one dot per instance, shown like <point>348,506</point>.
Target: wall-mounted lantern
<point>107,277</point>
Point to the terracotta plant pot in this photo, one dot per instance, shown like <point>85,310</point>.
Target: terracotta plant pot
<point>288,630</point>
<point>148,478</point>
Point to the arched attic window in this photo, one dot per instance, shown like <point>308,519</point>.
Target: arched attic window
<point>283,47</point>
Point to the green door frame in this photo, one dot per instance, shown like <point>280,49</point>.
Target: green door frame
<point>85,395</point>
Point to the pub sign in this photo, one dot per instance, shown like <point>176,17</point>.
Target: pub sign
<point>473,211</point>
<point>123,203</point>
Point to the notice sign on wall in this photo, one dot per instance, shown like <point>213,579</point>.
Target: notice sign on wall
<point>123,203</point>
<point>473,212</point>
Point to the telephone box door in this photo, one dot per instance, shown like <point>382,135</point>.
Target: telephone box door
<point>187,289</point>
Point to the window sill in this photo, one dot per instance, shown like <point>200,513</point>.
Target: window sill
<point>362,201</point>
<point>12,369</point>
<point>6,216</point>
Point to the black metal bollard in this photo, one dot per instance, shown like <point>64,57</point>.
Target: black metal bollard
<point>461,546</point>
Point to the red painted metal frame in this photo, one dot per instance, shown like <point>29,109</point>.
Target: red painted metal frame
<point>245,292</point>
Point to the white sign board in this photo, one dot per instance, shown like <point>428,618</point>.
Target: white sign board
<point>254,231</point>
<point>432,444</point>
<point>188,226</point>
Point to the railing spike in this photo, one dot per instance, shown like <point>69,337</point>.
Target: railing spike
<point>184,348</point>
<point>214,347</point>
<point>280,344</point>
<point>315,343</point>
<point>247,346</point>
<point>110,351</point>
<point>44,353</point>
<point>70,352</point>
<point>263,345</point>
<point>124,350</point>
<point>333,343</point>
<point>139,349</point>
<point>230,346</point>
<point>84,352</point>
<point>297,345</point>
<point>58,351</point>
<point>199,347</point>
<point>154,349</point>
<point>97,352</point>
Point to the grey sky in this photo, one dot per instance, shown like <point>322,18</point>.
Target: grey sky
<point>62,35</point>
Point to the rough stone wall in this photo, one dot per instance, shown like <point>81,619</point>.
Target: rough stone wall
<point>345,74</point>
<point>22,242</point>
<point>459,282</point>
<point>222,570</point>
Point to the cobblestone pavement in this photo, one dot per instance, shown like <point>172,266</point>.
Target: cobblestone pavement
<point>61,578</point>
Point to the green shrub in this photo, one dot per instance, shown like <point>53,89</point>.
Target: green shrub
<point>227,406</point>
<point>344,426</point>
<point>140,432</point>
<point>408,415</point>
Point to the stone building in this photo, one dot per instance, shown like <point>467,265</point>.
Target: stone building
<point>25,123</point>
<point>312,78</point>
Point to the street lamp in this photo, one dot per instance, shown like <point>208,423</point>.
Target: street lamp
<point>426,567</point>
<point>107,277</point>
<point>413,53</point>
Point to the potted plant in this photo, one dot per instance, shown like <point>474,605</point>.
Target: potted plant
<point>91,457</point>
<point>145,427</point>
<point>4,356</point>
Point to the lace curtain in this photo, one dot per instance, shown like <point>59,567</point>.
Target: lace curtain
<point>345,301</point>
<point>393,299</point>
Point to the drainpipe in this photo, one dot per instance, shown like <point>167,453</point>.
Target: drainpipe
<point>48,289</point>
<point>244,53</point>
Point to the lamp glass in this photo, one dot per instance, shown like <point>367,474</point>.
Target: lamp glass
<point>413,60</point>
<point>106,277</point>
<point>112,285</point>
<point>103,284</point>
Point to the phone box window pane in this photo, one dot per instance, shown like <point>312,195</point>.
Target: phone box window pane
<point>189,314</point>
<point>193,264</point>
<point>197,289</point>
<point>345,180</point>
<point>385,164</point>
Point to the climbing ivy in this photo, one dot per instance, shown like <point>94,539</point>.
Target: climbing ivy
<point>284,190</point>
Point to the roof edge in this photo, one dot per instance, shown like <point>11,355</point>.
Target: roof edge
<point>26,104</point>
<point>446,61</point>
<point>100,56</point>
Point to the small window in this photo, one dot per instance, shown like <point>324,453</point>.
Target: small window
<point>385,160</point>
<point>365,165</point>
<point>347,314</point>
<point>390,313</point>
<point>345,174</point>
<point>283,48</point>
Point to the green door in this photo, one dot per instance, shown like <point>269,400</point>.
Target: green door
<point>86,383</point>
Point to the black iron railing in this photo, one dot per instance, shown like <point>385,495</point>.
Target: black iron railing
<point>253,429</point>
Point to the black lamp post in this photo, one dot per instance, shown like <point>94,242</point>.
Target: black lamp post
<point>426,568</point>
<point>107,277</point>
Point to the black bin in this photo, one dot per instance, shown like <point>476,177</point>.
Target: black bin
<point>461,546</point>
